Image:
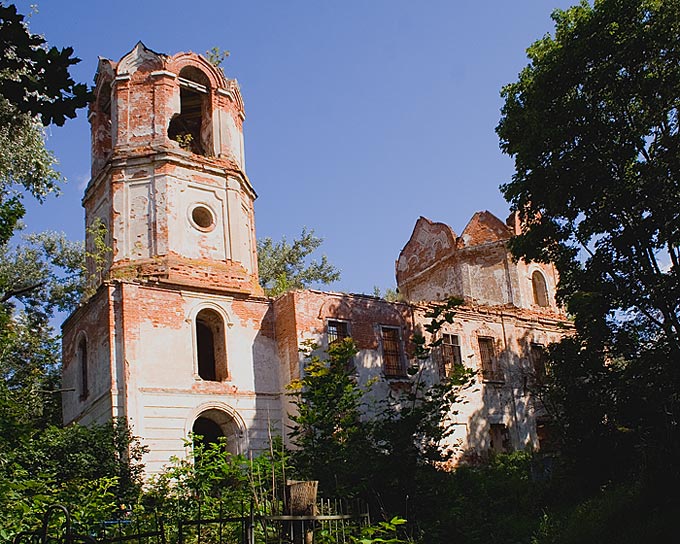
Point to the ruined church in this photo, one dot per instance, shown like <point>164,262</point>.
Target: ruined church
<point>179,337</point>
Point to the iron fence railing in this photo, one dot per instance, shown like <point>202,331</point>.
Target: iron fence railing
<point>333,520</point>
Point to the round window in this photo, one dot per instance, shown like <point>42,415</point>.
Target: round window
<point>203,218</point>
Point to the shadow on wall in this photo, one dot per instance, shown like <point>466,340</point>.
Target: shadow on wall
<point>511,415</point>
<point>267,418</point>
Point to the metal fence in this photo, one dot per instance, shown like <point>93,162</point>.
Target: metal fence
<point>333,521</point>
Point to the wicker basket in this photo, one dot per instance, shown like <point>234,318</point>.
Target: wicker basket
<point>301,497</point>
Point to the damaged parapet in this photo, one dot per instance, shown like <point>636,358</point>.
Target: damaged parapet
<point>476,266</point>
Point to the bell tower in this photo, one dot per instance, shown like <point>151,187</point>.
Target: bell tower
<point>177,336</point>
<point>168,173</point>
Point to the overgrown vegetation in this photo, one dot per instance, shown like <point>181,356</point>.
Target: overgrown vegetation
<point>93,469</point>
<point>285,266</point>
<point>597,191</point>
<point>596,188</point>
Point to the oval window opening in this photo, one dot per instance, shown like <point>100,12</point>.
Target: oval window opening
<point>203,218</point>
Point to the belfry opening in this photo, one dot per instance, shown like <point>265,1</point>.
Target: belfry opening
<point>191,127</point>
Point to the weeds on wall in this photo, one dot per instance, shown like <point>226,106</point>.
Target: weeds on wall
<point>98,254</point>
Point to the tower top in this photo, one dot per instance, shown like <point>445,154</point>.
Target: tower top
<point>168,173</point>
<point>150,101</point>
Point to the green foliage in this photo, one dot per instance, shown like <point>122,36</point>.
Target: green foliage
<point>34,78</point>
<point>212,484</point>
<point>597,191</point>
<point>386,452</point>
<point>25,164</point>
<point>34,84</point>
<point>43,273</point>
<point>89,469</point>
<point>390,294</point>
<point>283,266</point>
<point>329,432</point>
<point>596,187</point>
<point>98,254</point>
<point>495,502</point>
<point>185,140</point>
<point>625,514</point>
<point>385,532</point>
<point>216,56</point>
<point>37,278</point>
<point>92,470</point>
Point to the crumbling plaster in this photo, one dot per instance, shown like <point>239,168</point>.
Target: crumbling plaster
<point>168,263</point>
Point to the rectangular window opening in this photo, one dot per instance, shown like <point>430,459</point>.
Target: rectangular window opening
<point>449,355</point>
<point>336,331</point>
<point>499,438</point>
<point>392,353</point>
<point>487,354</point>
<point>538,359</point>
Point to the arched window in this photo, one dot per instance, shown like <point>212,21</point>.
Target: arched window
<point>191,127</point>
<point>82,368</point>
<point>540,289</point>
<point>211,352</point>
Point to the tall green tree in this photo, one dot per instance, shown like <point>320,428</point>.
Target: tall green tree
<point>333,440</point>
<point>386,450</point>
<point>285,266</point>
<point>592,125</point>
<point>94,468</point>
<point>36,90</point>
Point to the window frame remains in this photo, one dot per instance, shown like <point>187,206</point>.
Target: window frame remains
<point>336,330</point>
<point>450,357</point>
<point>488,360</point>
<point>392,352</point>
<point>537,358</point>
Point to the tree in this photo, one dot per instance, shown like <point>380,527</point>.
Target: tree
<point>387,451</point>
<point>331,437</point>
<point>592,125</point>
<point>93,468</point>
<point>43,273</point>
<point>35,91</point>
<point>283,266</point>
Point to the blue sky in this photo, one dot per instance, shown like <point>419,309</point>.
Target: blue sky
<point>361,115</point>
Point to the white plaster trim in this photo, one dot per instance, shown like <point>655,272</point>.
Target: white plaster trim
<point>192,85</point>
<point>203,305</point>
<point>163,73</point>
<point>204,296</point>
<point>226,93</point>
<point>123,77</point>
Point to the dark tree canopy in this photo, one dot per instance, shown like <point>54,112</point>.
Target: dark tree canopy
<point>592,124</point>
<point>35,90</point>
<point>33,77</point>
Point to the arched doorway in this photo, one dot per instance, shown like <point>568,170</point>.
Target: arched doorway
<point>215,426</point>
